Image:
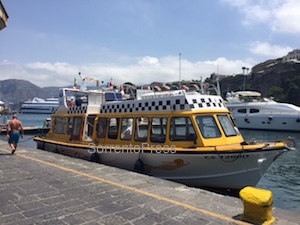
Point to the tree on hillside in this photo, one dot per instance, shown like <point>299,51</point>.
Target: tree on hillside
<point>277,93</point>
<point>292,88</point>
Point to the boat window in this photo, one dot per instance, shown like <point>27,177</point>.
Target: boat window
<point>90,123</point>
<point>113,128</point>
<point>113,96</point>
<point>254,110</point>
<point>182,129</point>
<point>126,128</point>
<point>60,125</point>
<point>227,125</point>
<point>77,127</point>
<point>101,129</point>
<point>242,110</point>
<point>158,129</point>
<point>141,129</point>
<point>208,126</point>
<point>70,125</point>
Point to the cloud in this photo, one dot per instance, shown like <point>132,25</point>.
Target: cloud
<point>265,49</point>
<point>145,70</point>
<point>149,61</point>
<point>256,14</point>
<point>252,13</point>
<point>287,17</point>
<point>282,16</point>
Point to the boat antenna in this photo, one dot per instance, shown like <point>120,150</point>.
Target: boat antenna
<point>218,86</point>
<point>201,84</point>
<point>132,93</point>
<point>67,73</point>
<point>180,71</point>
<point>82,87</point>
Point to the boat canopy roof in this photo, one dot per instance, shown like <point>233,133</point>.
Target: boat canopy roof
<point>248,93</point>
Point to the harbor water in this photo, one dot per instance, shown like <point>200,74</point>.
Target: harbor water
<point>282,178</point>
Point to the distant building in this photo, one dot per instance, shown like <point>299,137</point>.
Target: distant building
<point>286,63</point>
<point>292,56</point>
<point>155,83</point>
<point>266,66</point>
<point>3,16</point>
<point>214,76</point>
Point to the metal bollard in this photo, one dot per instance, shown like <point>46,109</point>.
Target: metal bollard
<point>257,205</point>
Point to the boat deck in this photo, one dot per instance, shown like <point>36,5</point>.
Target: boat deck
<point>48,188</point>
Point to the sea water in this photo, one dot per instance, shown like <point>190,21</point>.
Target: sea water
<point>282,178</point>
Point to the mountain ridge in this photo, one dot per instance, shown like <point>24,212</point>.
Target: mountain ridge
<point>14,92</point>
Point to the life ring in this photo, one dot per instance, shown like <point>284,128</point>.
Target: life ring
<point>70,104</point>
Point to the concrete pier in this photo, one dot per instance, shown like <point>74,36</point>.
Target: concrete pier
<point>39,187</point>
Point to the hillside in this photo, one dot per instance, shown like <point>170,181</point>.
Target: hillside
<point>14,92</point>
<point>281,81</point>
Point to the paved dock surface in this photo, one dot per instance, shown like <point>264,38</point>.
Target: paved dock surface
<point>39,187</point>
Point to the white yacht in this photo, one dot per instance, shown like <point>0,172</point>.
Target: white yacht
<point>39,105</point>
<point>250,111</point>
<point>2,106</point>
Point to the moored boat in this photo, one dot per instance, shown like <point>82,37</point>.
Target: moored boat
<point>176,135</point>
<point>251,111</point>
<point>39,105</point>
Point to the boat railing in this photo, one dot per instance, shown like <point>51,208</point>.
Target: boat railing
<point>161,94</point>
<point>278,113</point>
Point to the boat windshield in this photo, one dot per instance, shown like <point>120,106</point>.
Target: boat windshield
<point>210,129</point>
<point>208,126</point>
<point>227,126</point>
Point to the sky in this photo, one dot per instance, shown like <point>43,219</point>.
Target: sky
<point>140,41</point>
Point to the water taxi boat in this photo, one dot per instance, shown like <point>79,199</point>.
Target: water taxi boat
<point>176,135</point>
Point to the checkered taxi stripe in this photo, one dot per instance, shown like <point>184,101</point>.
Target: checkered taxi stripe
<point>174,103</point>
<point>77,110</point>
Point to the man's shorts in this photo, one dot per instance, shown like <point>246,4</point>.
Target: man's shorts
<point>14,137</point>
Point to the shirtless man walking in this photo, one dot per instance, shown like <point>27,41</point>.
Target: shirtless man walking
<point>14,127</point>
